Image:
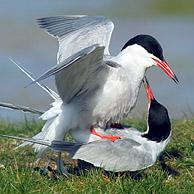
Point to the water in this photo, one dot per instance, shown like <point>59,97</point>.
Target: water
<point>21,39</point>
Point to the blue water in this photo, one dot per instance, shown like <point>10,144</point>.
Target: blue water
<point>21,39</point>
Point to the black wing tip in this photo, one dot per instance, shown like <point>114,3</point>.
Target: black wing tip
<point>43,22</point>
<point>52,20</point>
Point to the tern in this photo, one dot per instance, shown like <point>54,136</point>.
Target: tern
<point>133,151</point>
<point>95,88</point>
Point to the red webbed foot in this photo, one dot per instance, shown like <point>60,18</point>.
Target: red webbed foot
<point>109,137</point>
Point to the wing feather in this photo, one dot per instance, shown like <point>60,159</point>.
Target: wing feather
<point>75,33</point>
<point>72,75</point>
<point>121,155</point>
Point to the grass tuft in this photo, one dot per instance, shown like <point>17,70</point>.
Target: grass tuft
<point>17,175</point>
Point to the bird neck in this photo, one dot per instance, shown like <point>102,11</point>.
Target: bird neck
<point>159,126</point>
<point>135,59</point>
<point>157,135</point>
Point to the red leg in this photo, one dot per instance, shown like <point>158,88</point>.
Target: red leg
<point>109,137</point>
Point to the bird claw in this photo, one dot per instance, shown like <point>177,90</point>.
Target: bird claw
<point>62,169</point>
<point>47,169</point>
<point>43,170</point>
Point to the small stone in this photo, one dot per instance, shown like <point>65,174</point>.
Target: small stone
<point>2,166</point>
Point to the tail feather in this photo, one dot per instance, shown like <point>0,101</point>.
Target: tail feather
<point>54,129</point>
<point>20,108</point>
<point>53,111</point>
<point>30,140</point>
<point>42,135</point>
<point>53,94</point>
<point>59,146</point>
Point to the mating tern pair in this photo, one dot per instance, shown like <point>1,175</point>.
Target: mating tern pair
<point>131,151</point>
<point>95,89</point>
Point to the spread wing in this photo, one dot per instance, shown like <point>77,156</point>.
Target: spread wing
<point>75,33</point>
<point>118,156</point>
<point>79,73</point>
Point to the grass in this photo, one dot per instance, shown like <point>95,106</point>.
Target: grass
<point>17,176</point>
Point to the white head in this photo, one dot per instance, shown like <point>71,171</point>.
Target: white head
<point>149,47</point>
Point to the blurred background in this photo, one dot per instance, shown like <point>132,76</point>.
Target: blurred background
<point>171,22</point>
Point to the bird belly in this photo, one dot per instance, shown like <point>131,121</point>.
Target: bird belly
<point>109,101</point>
<point>114,102</point>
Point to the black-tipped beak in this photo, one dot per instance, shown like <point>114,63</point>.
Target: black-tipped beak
<point>166,68</point>
<point>175,79</point>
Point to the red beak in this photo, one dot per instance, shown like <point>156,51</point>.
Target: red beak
<point>149,92</point>
<point>166,68</point>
